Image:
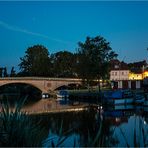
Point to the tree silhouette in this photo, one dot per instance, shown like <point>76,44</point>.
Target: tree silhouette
<point>94,56</point>
<point>63,64</point>
<point>5,72</point>
<point>36,62</point>
<point>1,71</point>
<point>12,74</point>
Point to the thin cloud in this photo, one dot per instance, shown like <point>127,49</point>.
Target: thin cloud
<point>18,29</point>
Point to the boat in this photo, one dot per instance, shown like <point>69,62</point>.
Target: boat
<point>120,97</point>
<point>62,94</point>
<point>139,98</point>
<point>145,105</point>
<point>113,113</point>
<point>124,107</point>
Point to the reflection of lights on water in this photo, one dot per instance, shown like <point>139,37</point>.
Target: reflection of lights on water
<point>118,119</point>
<point>145,122</point>
<point>100,107</point>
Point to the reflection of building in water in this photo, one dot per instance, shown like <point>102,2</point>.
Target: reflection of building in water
<point>145,120</point>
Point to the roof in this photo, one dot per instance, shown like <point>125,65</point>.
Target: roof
<point>136,70</point>
<point>117,65</point>
<point>139,64</point>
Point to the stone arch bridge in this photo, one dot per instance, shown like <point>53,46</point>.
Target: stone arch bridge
<point>44,84</point>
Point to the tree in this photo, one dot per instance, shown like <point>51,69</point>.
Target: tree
<point>36,62</point>
<point>12,74</point>
<point>1,71</point>
<point>5,72</point>
<point>93,59</point>
<point>63,64</point>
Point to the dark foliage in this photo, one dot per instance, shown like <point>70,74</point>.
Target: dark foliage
<point>36,62</point>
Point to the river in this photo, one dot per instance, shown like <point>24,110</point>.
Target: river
<point>127,127</point>
<point>121,128</point>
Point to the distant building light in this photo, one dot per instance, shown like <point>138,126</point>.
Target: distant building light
<point>133,76</point>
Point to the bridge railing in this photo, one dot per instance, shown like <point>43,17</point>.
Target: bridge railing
<point>40,78</point>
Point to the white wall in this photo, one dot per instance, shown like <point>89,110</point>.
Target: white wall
<point>119,75</point>
<point>119,84</point>
<point>129,84</point>
<point>137,84</point>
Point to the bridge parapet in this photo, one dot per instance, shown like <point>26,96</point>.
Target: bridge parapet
<point>40,78</point>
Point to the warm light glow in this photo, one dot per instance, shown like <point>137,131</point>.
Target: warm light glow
<point>145,74</point>
<point>100,80</point>
<point>133,76</point>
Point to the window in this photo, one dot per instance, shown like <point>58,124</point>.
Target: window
<point>115,73</point>
<point>122,73</point>
<point>112,73</point>
<point>116,66</point>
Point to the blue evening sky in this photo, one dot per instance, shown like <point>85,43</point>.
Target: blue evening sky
<point>61,25</point>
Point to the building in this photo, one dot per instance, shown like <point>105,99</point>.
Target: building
<point>125,76</point>
<point>119,74</point>
<point>135,76</point>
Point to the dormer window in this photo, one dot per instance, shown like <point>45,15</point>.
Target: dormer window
<point>116,66</point>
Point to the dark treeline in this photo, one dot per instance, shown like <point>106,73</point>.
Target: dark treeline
<point>91,61</point>
<point>4,73</point>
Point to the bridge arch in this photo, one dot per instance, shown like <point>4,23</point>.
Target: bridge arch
<point>22,89</point>
<point>26,83</point>
<point>61,87</point>
<point>68,86</point>
<point>35,83</point>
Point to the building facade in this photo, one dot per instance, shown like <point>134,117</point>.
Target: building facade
<point>122,77</point>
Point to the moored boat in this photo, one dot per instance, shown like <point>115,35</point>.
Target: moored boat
<point>120,97</point>
<point>62,94</point>
<point>145,105</point>
<point>139,98</point>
